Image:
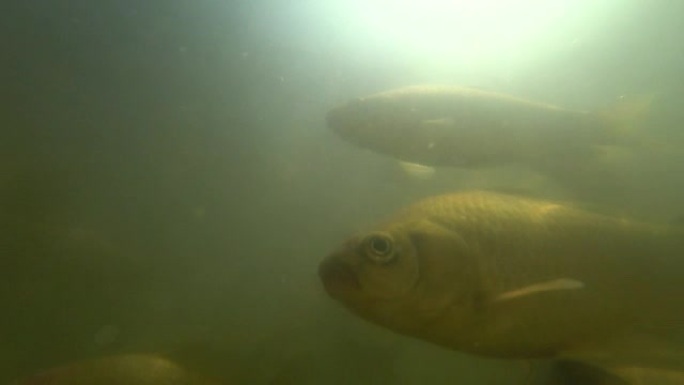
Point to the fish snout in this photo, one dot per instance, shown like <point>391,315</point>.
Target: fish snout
<point>349,118</point>
<point>337,277</point>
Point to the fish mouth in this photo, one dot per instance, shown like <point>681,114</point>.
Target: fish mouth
<point>337,277</point>
<point>347,121</point>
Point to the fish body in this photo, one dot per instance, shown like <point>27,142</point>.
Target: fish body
<point>132,369</point>
<point>509,277</point>
<point>466,127</point>
<point>573,373</point>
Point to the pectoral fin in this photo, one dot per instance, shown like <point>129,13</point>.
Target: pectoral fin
<point>441,122</point>
<point>417,170</point>
<point>553,285</point>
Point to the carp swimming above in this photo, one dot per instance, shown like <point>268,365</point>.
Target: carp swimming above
<point>587,153</point>
<point>467,127</point>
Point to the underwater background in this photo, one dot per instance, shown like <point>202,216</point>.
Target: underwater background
<point>168,183</point>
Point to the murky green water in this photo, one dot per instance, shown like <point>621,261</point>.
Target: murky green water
<point>168,183</point>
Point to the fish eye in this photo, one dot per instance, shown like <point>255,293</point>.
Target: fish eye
<point>379,248</point>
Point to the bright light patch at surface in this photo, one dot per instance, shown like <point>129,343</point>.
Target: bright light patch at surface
<point>465,27</point>
<point>469,32</point>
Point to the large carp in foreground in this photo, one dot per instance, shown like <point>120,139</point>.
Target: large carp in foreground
<point>509,277</point>
<point>466,127</point>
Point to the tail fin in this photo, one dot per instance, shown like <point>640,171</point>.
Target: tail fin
<point>625,121</point>
<point>624,116</point>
